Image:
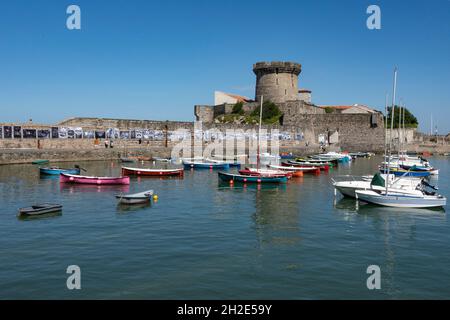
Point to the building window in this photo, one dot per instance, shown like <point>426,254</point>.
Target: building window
<point>277,81</point>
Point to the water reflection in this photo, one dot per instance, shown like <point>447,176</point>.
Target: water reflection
<point>79,188</point>
<point>124,208</point>
<point>40,216</point>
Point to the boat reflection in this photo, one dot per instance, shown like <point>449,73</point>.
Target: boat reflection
<point>124,208</point>
<point>40,216</point>
<point>72,188</point>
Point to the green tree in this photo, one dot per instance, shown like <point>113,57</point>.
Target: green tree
<point>270,110</point>
<point>329,110</point>
<point>237,108</point>
<point>410,119</point>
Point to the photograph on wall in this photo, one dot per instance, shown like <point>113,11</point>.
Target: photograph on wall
<point>100,134</point>
<point>29,133</point>
<point>17,132</point>
<point>62,133</point>
<point>78,133</point>
<point>138,134</point>
<point>112,133</point>
<point>43,133</point>
<point>55,133</point>
<point>89,134</point>
<point>70,133</point>
<point>7,132</point>
<point>124,134</point>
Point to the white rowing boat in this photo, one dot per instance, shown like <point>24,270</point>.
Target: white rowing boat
<point>141,197</point>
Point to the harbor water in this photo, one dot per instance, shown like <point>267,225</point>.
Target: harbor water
<point>204,239</point>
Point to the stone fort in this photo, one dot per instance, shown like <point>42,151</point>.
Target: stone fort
<point>350,127</point>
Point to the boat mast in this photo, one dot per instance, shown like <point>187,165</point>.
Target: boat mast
<point>259,132</point>
<point>399,129</point>
<point>392,126</point>
<point>385,126</point>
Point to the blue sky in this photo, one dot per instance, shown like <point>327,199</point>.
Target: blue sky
<point>157,59</point>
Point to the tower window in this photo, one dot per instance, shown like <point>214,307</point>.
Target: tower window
<point>285,91</point>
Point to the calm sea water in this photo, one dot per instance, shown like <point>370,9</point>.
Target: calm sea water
<point>205,240</point>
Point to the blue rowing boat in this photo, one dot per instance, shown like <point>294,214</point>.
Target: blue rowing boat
<point>251,179</point>
<point>406,173</point>
<point>58,171</point>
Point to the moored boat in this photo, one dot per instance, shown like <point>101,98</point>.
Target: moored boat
<point>57,171</point>
<point>127,171</point>
<point>404,173</point>
<point>251,179</point>
<point>71,178</point>
<point>188,164</point>
<point>264,172</point>
<point>39,161</point>
<point>297,171</point>
<point>398,200</point>
<point>320,166</point>
<point>39,209</point>
<point>136,198</point>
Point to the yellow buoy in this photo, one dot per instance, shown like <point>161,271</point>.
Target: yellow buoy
<point>155,197</point>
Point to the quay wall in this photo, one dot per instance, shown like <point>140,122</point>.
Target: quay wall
<point>299,134</point>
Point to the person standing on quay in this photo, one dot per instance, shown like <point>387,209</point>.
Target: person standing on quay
<point>106,144</point>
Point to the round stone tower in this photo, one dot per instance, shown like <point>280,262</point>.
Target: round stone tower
<point>277,81</point>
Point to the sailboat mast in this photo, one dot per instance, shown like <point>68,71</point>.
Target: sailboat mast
<point>385,125</point>
<point>259,132</point>
<point>392,126</point>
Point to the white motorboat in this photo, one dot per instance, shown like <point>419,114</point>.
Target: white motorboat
<point>376,182</point>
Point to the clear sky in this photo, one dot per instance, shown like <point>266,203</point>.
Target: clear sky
<point>157,59</point>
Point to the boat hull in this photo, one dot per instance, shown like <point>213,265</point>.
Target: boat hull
<point>58,171</point>
<point>205,165</point>
<point>251,179</point>
<point>126,171</point>
<point>398,172</point>
<point>76,179</point>
<point>401,201</point>
<point>40,209</point>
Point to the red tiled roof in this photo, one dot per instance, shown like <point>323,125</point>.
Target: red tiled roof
<point>238,98</point>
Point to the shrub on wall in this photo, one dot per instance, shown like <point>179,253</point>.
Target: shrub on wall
<point>237,108</point>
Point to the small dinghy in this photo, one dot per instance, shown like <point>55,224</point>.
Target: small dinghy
<point>39,209</point>
<point>264,172</point>
<point>320,166</point>
<point>127,160</point>
<point>297,171</point>
<point>57,171</point>
<point>136,198</point>
<point>251,179</point>
<point>126,171</point>
<point>205,165</point>
<point>40,161</point>
<point>72,178</point>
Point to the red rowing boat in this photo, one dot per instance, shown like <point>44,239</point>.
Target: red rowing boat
<point>323,167</point>
<point>127,171</point>
<point>72,178</point>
